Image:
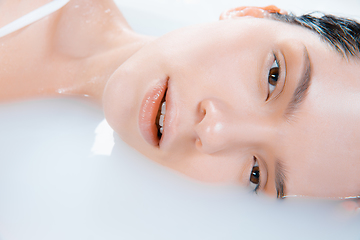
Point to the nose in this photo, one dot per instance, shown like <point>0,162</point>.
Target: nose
<point>222,127</point>
<point>212,129</point>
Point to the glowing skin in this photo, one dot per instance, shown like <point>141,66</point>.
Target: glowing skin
<point>220,115</point>
<point>218,77</point>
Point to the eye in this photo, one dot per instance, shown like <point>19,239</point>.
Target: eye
<point>273,77</point>
<point>255,176</point>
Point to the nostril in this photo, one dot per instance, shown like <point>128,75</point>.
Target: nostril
<point>210,129</point>
<point>201,113</point>
<point>198,143</point>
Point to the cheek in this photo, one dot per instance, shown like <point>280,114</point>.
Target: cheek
<point>212,169</point>
<point>230,75</point>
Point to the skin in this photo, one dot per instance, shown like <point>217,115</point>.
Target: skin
<point>218,83</point>
<point>73,51</point>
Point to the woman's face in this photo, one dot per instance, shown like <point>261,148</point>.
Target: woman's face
<point>249,101</point>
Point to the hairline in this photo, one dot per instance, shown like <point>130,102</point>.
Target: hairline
<point>339,45</point>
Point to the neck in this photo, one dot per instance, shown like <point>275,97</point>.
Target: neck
<point>100,48</point>
<point>95,71</point>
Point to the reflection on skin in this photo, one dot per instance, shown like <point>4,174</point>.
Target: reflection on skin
<point>249,100</point>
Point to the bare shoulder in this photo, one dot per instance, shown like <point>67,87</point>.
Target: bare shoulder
<point>11,10</point>
<point>37,59</point>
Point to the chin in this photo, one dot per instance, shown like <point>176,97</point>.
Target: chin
<point>122,99</point>
<point>120,104</point>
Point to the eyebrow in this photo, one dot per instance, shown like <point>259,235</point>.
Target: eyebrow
<point>280,179</point>
<point>301,90</point>
<point>298,97</point>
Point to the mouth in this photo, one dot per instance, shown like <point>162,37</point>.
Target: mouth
<point>160,117</point>
<point>152,113</point>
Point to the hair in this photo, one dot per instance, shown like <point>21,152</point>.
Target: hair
<point>342,34</point>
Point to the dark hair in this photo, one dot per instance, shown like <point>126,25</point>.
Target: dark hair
<point>343,34</point>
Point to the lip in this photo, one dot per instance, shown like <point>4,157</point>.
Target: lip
<point>148,112</point>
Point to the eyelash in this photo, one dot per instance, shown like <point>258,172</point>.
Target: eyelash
<point>255,175</point>
<point>274,72</point>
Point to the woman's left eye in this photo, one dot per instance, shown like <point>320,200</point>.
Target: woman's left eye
<point>255,175</point>
<point>273,77</point>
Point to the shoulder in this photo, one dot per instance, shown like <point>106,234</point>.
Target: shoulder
<point>11,10</point>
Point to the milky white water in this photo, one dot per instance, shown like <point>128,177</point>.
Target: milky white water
<point>65,175</point>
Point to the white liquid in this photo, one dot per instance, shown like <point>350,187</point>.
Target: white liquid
<point>63,176</point>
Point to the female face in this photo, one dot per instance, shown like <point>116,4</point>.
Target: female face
<point>251,101</point>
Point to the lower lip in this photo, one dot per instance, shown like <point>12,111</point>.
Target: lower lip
<point>148,112</point>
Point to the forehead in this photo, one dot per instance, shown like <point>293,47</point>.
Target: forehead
<point>322,142</point>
